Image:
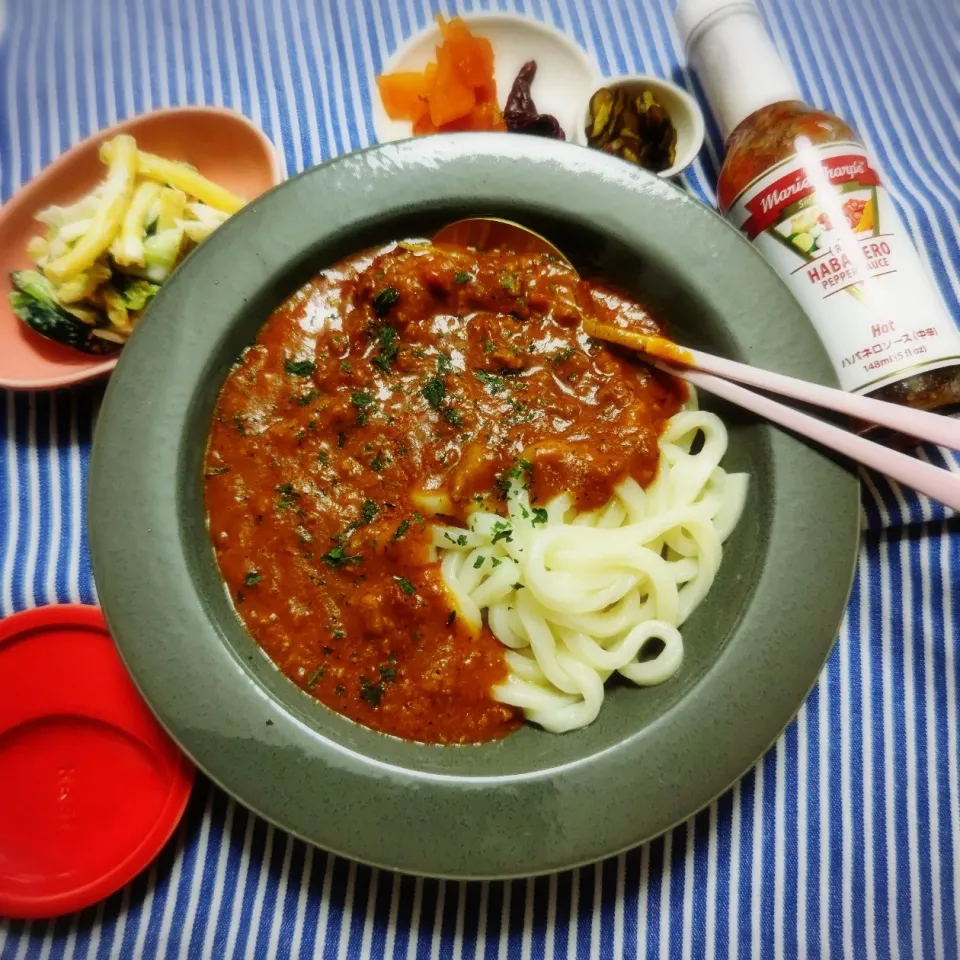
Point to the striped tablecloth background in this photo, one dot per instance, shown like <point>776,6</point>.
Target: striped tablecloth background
<point>842,842</point>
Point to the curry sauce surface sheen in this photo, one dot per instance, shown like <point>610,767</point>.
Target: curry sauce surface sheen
<point>393,376</point>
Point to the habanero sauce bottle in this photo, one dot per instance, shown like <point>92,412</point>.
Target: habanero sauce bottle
<point>797,181</point>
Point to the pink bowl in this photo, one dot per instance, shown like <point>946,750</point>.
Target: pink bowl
<point>221,144</point>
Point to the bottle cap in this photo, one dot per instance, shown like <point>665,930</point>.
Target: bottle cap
<point>691,14</point>
<point>92,785</point>
<point>738,65</point>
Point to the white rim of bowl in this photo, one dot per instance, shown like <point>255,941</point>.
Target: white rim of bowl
<point>538,26</point>
<point>378,114</point>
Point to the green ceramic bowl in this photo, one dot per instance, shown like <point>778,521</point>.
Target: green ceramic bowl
<point>534,802</point>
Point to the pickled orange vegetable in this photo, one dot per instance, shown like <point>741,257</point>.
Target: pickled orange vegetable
<point>404,95</point>
<point>457,92</point>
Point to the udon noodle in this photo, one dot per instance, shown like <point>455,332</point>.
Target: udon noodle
<point>576,597</point>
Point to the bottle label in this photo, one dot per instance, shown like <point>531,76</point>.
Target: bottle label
<point>830,229</point>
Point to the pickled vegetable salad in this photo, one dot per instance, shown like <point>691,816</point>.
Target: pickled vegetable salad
<point>104,257</point>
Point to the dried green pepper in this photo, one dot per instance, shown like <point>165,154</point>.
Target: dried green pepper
<point>634,127</point>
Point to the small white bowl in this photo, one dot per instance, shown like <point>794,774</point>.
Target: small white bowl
<point>684,111</point>
<point>564,69</point>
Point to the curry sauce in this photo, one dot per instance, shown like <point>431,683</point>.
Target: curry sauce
<point>397,386</point>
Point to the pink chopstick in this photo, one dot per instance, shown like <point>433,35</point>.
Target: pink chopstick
<point>932,427</point>
<point>939,484</point>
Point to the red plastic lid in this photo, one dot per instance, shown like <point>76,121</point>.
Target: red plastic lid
<point>91,787</point>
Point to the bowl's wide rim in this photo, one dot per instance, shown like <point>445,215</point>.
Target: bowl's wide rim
<point>316,786</point>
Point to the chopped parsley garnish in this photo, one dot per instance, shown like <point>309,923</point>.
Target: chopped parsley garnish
<point>461,278</point>
<point>539,515</point>
<point>451,616</point>
<point>406,586</point>
<point>238,423</point>
<point>562,355</point>
<point>341,439</point>
<point>509,282</point>
<point>345,367</point>
<point>307,398</point>
<point>400,531</point>
<point>495,562</point>
<point>418,517</point>
<point>434,391</point>
<point>453,417</point>
<point>299,368</point>
<point>362,400</point>
<point>502,532</point>
<point>379,462</point>
<point>340,690</point>
<point>517,586</point>
<point>315,676</point>
<point>495,382</point>
<point>252,578</point>
<point>444,363</point>
<point>216,471</point>
<point>521,470</point>
<point>489,346</point>
<point>338,557</point>
<point>288,496</point>
<point>305,535</point>
<point>371,692</point>
<point>386,338</point>
<point>384,300</point>
<point>388,673</point>
<point>478,563</point>
<point>323,458</point>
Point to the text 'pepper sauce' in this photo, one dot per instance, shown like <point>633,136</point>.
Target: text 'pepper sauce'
<point>395,385</point>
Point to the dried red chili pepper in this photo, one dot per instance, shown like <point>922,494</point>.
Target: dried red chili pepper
<point>521,114</point>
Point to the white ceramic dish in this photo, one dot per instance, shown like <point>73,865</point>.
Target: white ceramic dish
<point>565,72</point>
<point>684,111</point>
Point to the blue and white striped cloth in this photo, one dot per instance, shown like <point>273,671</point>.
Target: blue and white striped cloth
<point>843,841</point>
